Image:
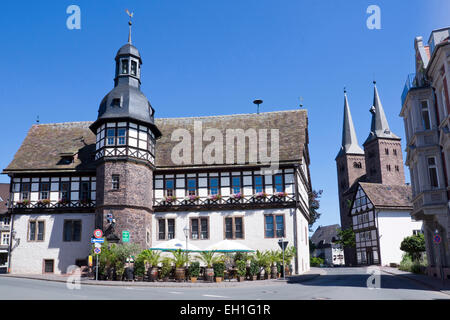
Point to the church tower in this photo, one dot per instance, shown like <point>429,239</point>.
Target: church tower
<point>383,150</point>
<point>125,154</point>
<point>350,164</point>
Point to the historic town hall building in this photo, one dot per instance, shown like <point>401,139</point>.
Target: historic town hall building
<point>123,172</point>
<point>374,200</point>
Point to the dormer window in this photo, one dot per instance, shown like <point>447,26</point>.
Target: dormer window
<point>125,66</point>
<point>133,68</point>
<point>115,102</point>
<point>66,158</point>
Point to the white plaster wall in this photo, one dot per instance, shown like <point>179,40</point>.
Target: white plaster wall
<point>28,256</point>
<point>253,229</point>
<point>393,227</point>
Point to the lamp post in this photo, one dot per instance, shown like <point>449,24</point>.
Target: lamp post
<point>186,232</point>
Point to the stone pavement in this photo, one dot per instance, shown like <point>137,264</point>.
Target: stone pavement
<point>430,282</point>
<point>313,273</point>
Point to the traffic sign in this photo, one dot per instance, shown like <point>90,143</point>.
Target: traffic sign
<point>101,240</point>
<point>125,236</point>
<point>437,239</point>
<point>97,250</point>
<point>97,245</point>
<point>283,244</point>
<point>98,233</point>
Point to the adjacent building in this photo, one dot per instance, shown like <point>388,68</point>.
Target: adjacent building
<point>5,226</point>
<point>374,200</point>
<point>158,179</point>
<point>425,110</point>
<point>324,240</point>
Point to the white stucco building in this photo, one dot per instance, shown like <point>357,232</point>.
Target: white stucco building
<point>127,171</point>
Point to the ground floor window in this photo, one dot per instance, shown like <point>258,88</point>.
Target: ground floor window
<point>234,228</point>
<point>49,265</point>
<point>36,230</point>
<point>5,239</point>
<point>274,226</point>
<point>72,230</point>
<point>199,228</point>
<point>3,258</point>
<point>164,233</point>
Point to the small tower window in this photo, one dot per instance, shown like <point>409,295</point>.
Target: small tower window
<point>125,66</point>
<point>121,136</point>
<point>388,167</point>
<point>110,137</point>
<point>115,182</point>
<point>386,151</point>
<point>394,151</point>
<point>133,68</point>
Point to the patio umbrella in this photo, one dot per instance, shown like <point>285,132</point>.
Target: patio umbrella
<point>175,244</point>
<point>229,246</point>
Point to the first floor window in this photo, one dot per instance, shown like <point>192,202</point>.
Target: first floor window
<point>25,192</point>
<point>278,183</point>
<point>192,187</point>
<point>121,136</point>
<point>169,188</point>
<point>36,230</point>
<point>72,230</point>
<point>274,226</point>
<point>45,191</point>
<point>64,192</point>
<point>5,239</point>
<point>199,228</point>
<point>432,170</point>
<point>85,192</point>
<point>258,183</point>
<point>213,186</point>
<point>236,184</point>
<point>110,137</point>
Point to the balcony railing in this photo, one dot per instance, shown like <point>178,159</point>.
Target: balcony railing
<point>81,204</point>
<point>224,200</point>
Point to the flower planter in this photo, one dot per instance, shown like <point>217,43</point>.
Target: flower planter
<point>274,270</point>
<point>209,274</point>
<point>241,279</point>
<point>218,279</point>
<point>254,278</point>
<point>153,274</point>
<point>179,274</point>
<point>193,279</point>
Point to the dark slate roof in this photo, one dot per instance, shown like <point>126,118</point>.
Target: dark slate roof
<point>44,144</point>
<point>128,49</point>
<point>388,196</point>
<point>4,197</point>
<point>325,234</point>
<point>292,126</point>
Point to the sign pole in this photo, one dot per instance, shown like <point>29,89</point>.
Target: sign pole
<point>96,269</point>
<point>284,269</point>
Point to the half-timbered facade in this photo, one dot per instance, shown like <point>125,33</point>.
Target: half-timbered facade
<point>123,172</point>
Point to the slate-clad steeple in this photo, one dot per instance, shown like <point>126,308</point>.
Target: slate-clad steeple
<point>380,126</point>
<point>349,141</point>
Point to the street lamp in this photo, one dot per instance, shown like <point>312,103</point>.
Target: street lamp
<point>186,232</point>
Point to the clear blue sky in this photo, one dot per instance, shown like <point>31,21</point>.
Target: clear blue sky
<point>209,57</point>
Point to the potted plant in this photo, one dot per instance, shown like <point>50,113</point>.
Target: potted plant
<point>289,254</point>
<point>219,268</point>
<point>236,196</point>
<point>273,257</point>
<point>139,267</point>
<point>151,259</point>
<point>179,259</point>
<point>166,268</point>
<point>260,196</point>
<point>214,197</point>
<point>194,271</point>
<point>253,270</point>
<point>170,199</point>
<point>192,198</point>
<point>209,258</point>
<point>241,270</point>
<point>262,259</point>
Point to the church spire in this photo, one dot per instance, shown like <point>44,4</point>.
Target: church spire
<point>379,127</point>
<point>349,140</point>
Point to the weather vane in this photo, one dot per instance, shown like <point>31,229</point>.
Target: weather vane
<point>129,23</point>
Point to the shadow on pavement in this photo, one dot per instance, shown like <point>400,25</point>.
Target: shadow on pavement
<point>359,280</point>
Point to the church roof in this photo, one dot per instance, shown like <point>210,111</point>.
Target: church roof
<point>349,140</point>
<point>388,196</point>
<point>45,144</point>
<point>380,126</point>
<point>325,235</point>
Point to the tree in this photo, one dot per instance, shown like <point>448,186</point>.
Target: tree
<point>314,205</point>
<point>414,246</point>
<point>312,246</point>
<point>346,238</point>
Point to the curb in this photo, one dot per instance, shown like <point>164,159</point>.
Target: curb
<point>425,284</point>
<point>141,284</point>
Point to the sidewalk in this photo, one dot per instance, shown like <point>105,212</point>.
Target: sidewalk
<point>224,284</point>
<point>430,282</point>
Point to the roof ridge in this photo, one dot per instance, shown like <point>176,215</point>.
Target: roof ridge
<point>232,115</point>
<point>62,123</point>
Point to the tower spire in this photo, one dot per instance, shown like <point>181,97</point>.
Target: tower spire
<point>379,127</point>
<point>349,140</point>
<point>130,23</point>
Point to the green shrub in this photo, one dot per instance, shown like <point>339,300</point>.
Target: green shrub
<point>316,261</point>
<point>219,269</point>
<point>254,268</point>
<point>194,269</point>
<point>139,266</point>
<point>406,263</point>
<point>166,267</point>
<point>241,268</point>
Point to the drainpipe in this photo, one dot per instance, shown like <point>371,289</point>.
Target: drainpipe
<point>11,229</point>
